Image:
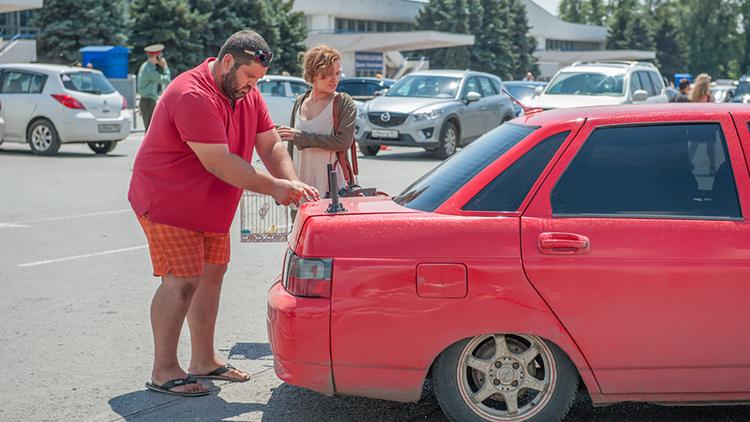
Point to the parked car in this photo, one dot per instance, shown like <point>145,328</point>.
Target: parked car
<point>742,91</point>
<point>603,83</point>
<point>722,90</point>
<point>280,92</point>
<point>438,110</point>
<point>523,91</point>
<point>364,89</point>
<point>592,244</point>
<point>49,105</point>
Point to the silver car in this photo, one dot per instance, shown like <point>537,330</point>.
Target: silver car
<point>438,110</point>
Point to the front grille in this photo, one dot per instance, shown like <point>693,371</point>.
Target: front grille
<point>393,119</point>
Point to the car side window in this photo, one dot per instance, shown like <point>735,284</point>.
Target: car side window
<point>37,84</point>
<point>635,82</point>
<point>508,190</point>
<point>298,88</point>
<point>656,82</point>
<point>654,171</point>
<point>272,88</point>
<point>17,82</point>
<point>646,83</point>
<point>497,85</point>
<point>486,86</point>
<point>472,86</point>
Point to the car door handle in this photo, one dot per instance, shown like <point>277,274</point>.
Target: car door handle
<point>483,108</point>
<point>554,243</point>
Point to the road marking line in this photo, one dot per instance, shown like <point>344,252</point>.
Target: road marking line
<point>68,217</point>
<point>11,225</point>
<point>88,255</point>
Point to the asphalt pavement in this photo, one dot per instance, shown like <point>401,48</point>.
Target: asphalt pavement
<point>75,338</point>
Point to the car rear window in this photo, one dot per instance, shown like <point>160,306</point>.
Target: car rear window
<point>89,82</point>
<point>435,187</point>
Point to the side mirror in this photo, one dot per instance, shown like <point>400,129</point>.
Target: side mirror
<point>640,95</point>
<point>473,96</point>
<point>538,90</point>
<point>380,93</point>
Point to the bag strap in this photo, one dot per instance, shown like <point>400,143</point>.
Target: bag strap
<point>349,168</point>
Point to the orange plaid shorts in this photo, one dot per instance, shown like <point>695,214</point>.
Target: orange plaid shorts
<point>182,252</point>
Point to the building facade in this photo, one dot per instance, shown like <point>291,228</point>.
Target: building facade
<point>372,34</point>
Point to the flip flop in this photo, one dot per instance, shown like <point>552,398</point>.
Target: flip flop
<point>218,374</point>
<point>167,387</point>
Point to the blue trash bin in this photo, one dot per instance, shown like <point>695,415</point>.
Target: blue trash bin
<point>111,60</point>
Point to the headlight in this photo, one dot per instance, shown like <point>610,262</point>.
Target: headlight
<point>427,115</point>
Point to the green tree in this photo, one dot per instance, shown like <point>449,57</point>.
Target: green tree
<point>745,16</point>
<point>66,26</point>
<point>671,50</point>
<point>283,29</point>
<point>596,12</point>
<point>492,51</point>
<point>623,13</point>
<point>446,16</point>
<point>523,44</point>
<point>639,32</point>
<point>710,28</point>
<point>173,23</point>
<point>572,11</point>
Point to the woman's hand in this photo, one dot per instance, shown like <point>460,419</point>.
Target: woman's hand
<point>287,133</point>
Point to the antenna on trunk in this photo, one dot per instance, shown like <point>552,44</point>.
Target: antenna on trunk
<point>333,191</point>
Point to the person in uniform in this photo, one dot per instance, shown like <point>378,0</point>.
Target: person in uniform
<point>153,78</point>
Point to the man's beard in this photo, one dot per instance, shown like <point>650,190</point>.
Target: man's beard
<point>229,85</point>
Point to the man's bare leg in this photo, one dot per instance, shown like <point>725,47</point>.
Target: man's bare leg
<point>168,308</point>
<point>202,322</point>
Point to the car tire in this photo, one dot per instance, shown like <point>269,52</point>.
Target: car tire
<point>448,141</point>
<point>533,372</point>
<point>43,138</point>
<point>102,147</point>
<point>369,150</point>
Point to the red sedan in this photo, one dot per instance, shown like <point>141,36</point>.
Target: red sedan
<point>602,246</point>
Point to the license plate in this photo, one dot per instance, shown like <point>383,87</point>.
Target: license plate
<point>109,128</point>
<point>384,134</point>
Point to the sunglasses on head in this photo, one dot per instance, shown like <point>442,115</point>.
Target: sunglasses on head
<point>261,56</point>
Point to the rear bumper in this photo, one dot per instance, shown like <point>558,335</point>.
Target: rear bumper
<point>299,333</point>
<point>84,127</point>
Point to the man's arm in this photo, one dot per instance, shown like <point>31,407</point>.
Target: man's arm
<point>230,168</point>
<point>274,154</point>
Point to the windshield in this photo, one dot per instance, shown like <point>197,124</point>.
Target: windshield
<point>520,93</point>
<point>435,187</point>
<point>90,82</point>
<point>587,83</point>
<point>742,89</point>
<point>425,86</point>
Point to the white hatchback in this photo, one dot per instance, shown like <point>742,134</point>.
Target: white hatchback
<point>50,105</point>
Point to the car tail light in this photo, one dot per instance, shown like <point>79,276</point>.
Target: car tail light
<point>124,103</point>
<point>68,101</point>
<point>307,277</point>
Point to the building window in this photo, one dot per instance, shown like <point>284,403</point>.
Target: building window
<point>359,25</point>
<point>565,45</point>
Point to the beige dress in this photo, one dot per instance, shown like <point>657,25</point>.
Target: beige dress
<point>312,163</point>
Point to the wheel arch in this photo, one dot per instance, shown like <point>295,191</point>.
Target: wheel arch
<point>36,119</point>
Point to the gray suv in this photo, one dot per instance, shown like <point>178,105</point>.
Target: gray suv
<point>438,110</point>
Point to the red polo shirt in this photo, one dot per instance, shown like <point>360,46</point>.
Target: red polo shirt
<point>169,182</point>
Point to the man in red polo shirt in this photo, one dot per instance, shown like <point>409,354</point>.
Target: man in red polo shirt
<point>187,181</point>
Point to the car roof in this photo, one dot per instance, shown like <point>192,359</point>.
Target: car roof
<point>283,78</point>
<point>635,113</point>
<point>366,79</point>
<point>525,83</point>
<point>49,68</point>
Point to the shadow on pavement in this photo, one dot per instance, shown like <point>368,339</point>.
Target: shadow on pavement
<point>252,351</point>
<point>289,403</point>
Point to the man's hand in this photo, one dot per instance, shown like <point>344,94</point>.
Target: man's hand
<point>162,62</point>
<point>286,192</point>
<point>286,133</point>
